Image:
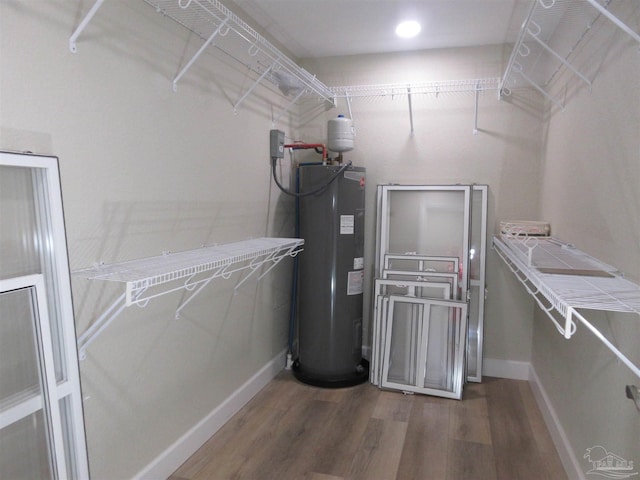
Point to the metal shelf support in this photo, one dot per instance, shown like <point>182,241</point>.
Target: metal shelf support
<point>208,42</point>
<point>83,25</point>
<point>252,88</point>
<point>619,23</point>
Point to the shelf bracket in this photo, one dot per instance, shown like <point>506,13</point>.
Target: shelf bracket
<point>609,345</point>
<point>273,257</point>
<point>82,26</point>
<point>348,100</point>
<point>208,42</point>
<point>475,110</point>
<point>555,54</point>
<point>291,252</point>
<point>203,283</point>
<point>99,325</point>
<point>518,69</point>
<point>615,20</point>
<point>410,110</point>
<point>255,84</point>
<point>290,104</point>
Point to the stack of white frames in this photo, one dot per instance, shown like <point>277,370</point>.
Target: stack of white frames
<point>419,331</point>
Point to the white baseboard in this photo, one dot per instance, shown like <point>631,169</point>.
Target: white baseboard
<point>515,370</point>
<point>560,439</point>
<point>174,456</point>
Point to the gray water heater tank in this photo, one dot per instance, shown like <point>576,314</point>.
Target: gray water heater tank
<point>331,278</point>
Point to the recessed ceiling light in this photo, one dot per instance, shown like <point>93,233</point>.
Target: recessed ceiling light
<point>408,29</point>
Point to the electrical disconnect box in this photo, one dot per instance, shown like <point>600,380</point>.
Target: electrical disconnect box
<point>276,144</point>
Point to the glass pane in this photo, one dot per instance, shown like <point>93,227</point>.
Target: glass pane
<point>24,452</point>
<point>427,222</point>
<point>421,263</point>
<point>439,349</point>
<point>404,344</point>
<point>26,238</point>
<point>19,369</point>
<point>19,253</point>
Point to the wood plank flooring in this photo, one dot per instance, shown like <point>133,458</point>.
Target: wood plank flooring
<point>292,431</point>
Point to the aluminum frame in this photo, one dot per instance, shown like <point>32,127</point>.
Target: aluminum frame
<point>413,289</point>
<point>458,316</point>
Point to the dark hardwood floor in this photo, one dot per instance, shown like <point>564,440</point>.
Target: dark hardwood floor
<point>292,431</point>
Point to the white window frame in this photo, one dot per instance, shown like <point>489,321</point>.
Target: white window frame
<point>56,286</point>
<point>459,317</point>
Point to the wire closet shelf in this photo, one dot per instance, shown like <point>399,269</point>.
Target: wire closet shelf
<point>219,27</point>
<point>569,280</point>
<point>192,270</point>
<point>546,53</point>
<point>436,88</point>
<point>476,86</point>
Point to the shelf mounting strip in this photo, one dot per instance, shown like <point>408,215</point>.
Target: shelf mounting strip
<point>580,282</point>
<point>155,276</point>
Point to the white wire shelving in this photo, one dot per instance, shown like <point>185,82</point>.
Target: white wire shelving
<point>569,280</point>
<point>549,44</point>
<point>475,86</point>
<point>192,270</point>
<point>220,28</point>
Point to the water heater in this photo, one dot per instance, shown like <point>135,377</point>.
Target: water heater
<point>331,278</point>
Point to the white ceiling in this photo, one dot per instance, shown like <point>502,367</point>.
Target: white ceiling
<point>320,28</point>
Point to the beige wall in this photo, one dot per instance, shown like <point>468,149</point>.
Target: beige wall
<point>145,170</point>
<point>591,195</point>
